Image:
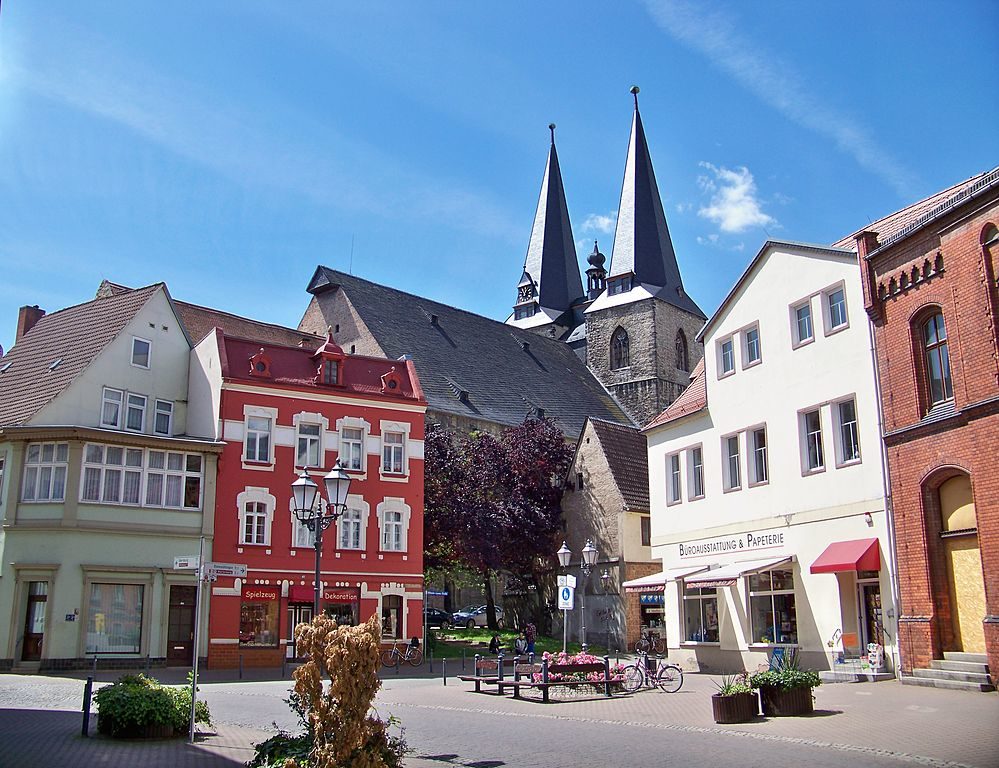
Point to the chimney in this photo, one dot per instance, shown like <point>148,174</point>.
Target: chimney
<point>26,319</point>
<point>867,242</point>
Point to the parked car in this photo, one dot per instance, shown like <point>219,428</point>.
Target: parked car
<point>475,616</point>
<point>435,618</point>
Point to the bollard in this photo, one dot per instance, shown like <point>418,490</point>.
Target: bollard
<point>544,679</point>
<point>499,672</point>
<point>88,691</point>
<point>430,660</point>
<point>607,683</point>
<point>462,659</point>
<point>284,667</point>
<point>95,665</point>
<point>147,664</point>
<point>398,656</point>
<point>240,666</point>
<point>444,670</point>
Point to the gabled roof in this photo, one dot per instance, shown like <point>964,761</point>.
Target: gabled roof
<point>626,450</point>
<point>472,366</point>
<point>693,399</point>
<point>75,336</point>
<point>199,321</point>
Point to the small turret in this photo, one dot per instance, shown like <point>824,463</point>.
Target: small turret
<point>596,275</point>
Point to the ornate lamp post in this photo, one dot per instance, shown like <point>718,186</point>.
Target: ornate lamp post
<point>589,560</point>
<point>564,556</point>
<point>605,578</point>
<point>309,510</point>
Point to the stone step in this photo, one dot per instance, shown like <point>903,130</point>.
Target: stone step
<point>947,674</point>
<point>974,658</point>
<point>960,666</point>
<point>840,675</point>
<point>26,667</point>
<point>954,685</point>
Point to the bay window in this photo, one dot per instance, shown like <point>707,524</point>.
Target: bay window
<point>45,466</point>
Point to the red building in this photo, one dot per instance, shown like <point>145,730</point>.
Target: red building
<point>930,287</point>
<point>284,408</point>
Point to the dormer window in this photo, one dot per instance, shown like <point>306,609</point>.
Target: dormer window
<point>524,311</point>
<point>260,365</point>
<point>330,356</point>
<point>331,372</point>
<point>618,285</point>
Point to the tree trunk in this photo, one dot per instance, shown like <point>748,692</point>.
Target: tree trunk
<point>487,584</point>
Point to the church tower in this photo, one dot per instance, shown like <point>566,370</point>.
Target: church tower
<point>550,290</point>
<point>641,329</point>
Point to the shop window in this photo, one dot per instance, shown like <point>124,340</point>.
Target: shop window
<point>771,607</point>
<point>700,614</point>
<point>45,472</point>
<point>392,616</point>
<point>258,617</point>
<point>114,618</point>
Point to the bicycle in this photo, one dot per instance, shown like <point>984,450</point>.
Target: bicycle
<point>667,677</point>
<point>650,641</point>
<point>393,656</point>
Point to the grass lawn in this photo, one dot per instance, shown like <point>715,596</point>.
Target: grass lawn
<point>450,644</point>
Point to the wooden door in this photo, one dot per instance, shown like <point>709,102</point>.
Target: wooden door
<point>34,621</point>
<point>180,627</point>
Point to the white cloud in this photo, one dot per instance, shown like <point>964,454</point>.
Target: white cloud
<point>683,207</point>
<point>777,83</point>
<point>734,206</point>
<point>597,222</point>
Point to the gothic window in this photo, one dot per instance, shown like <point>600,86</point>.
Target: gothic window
<point>937,360</point>
<point>682,363</point>
<point>619,354</point>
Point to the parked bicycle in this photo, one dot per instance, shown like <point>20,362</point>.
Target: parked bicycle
<point>650,641</point>
<point>393,656</point>
<point>666,676</point>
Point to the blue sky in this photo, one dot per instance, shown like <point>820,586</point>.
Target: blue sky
<point>228,148</point>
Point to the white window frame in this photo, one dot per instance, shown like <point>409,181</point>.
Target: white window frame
<point>838,432</point>
<point>394,428</point>
<point>165,474</point>
<point>3,463</point>
<point>746,362</point>
<point>111,475</point>
<point>827,319</point>
<point>797,340</point>
<point>756,632</point>
<point>353,422</point>
<point>674,479</point>
<point>141,409</point>
<point>45,471</point>
<point>698,597</point>
<point>752,453</point>
<point>149,353</point>
<point>259,412</point>
<point>120,402</point>
<point>806,441</point>
<point>693,468</point>
<point>255,495</point>
<point>394,505</point>
<point>722,371</point>
<point>355,503</point>
<point>731,472</point>
<point>168,412</point>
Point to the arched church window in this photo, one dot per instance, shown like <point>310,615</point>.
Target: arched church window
<point>937,359</point>
<point>682,361</point>
<point>619,353</point>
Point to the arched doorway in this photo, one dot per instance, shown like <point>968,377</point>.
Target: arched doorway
<point>963,561</point>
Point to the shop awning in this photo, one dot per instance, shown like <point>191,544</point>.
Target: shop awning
<point>856,555</point>
<point>657,581</point>
<point>726,575</point>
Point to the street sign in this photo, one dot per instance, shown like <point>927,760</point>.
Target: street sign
<point>437,592</point>
<point>189,563</point>
<point>567,581</point>
<point>565,596</point>
<point>226,570</point>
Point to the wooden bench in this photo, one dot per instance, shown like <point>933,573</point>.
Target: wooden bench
<point>493,672</point>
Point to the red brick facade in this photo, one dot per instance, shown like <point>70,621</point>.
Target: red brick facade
<point>946,264</point>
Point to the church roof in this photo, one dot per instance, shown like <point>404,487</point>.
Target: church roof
<point>626,450</point>
<point>472,366</point>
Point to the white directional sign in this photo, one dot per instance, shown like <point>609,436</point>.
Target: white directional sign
<point>565,596</point>
<point>189,563</point>
<point>228,570</point>
<point>567,581</point>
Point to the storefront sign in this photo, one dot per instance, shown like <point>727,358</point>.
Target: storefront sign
<point>753,541</point>
<point>261,593</point>
<point>651,598</point>
<point>341,595</point>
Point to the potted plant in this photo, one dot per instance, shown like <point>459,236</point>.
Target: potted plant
<point>785,688</point>
<point>735,701</point>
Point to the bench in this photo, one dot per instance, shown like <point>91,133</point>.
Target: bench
<point>494,673</point>
<point>489,671</point>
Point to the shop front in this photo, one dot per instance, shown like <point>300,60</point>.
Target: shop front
<point>342,603</point>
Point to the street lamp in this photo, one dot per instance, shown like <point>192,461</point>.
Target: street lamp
<point>589,560</point>
<point>309,510</point>
<point>564,556</point>
<point>605,578</point>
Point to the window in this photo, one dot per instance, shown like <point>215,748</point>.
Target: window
<point>579,480</point>
<point>682,360</point>
<point>835,309</point>
<point>675,489</point>
<point>163,418</point>
<point>259,613</point>
<point>771,607</point>
<point>331,372</point>
<point>726,356</point>
<point>135,412</point>
<point>848,442</point>
<point>759,465</point>
<point>308,453</point>
<point>258,439</point>
<point>255,523</point>
<point>812,427</point>
<point>140,352</point>
<point>393,452</point>
<point>525,311</point>
<point>111,408</point>
<point>695,460</point>
<point>173,479</point>
<point>619,285</point>
<point>937,359</point>
<point>392,616</point>
<point>393,520</point>
<point>803,323</point>
<point>731,462</point>
<point>112,474</point>
<point>3,460</point>
<point>301,535</point>
<point>352,448</point>
<point>700,614</point>
<point>619,352</point>
<point>350,529</point>
<point>45,472</point>
<point>646,523</point>
<point>751,350</point>
<point>114,618</point>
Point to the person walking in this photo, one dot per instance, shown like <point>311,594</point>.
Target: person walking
<point>530,634</point>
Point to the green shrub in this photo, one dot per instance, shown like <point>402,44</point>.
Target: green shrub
<point>136,703</point>
<point>732,685</point>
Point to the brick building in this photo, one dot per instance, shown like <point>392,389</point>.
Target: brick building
<point>930,288</point>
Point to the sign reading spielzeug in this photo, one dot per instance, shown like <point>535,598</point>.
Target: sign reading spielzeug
<point>773,540</point>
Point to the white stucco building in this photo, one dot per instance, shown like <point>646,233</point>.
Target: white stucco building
<point>766,476</point>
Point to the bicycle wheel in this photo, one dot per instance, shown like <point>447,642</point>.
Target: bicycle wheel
<point>632,678</point>
<point>388,657</point>
<point>659,644</point>
<point>670,678</point>
<point>642,646</point>
<point>415,657</point>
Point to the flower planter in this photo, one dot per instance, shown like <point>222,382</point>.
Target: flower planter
<point>780,703</point>
<point>108,727</point>
<point>734,708</point>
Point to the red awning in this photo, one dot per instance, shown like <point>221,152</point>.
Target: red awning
<point>857,555</point>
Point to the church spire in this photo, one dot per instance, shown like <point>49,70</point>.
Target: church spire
<point>551,282</point>
<point>642,245</point>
